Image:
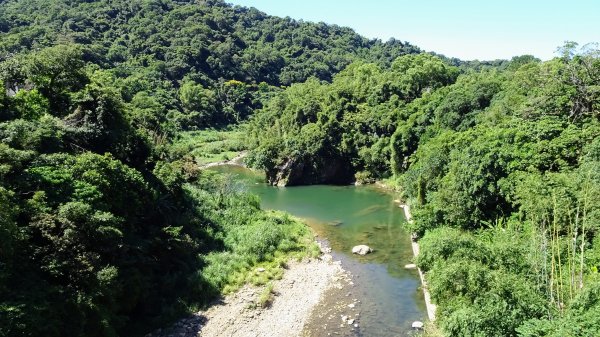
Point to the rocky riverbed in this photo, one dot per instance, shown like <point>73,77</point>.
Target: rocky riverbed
<point>302,288</point>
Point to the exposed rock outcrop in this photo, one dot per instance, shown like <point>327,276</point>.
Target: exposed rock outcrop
<point>295,171</point>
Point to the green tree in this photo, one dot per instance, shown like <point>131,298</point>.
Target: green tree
<point>200,106</point>
<point>56,70</point>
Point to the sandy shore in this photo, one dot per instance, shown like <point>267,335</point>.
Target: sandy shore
<point>294,297</point>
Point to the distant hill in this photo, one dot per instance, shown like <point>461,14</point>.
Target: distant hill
<point>206,40</point>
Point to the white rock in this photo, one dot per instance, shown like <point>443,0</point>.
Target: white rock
<point>350,321</point>
<point>410,266</point>
<point>417,325</point>
<point>361,250</point>
<point>260,270</point>
<point>351,305</point>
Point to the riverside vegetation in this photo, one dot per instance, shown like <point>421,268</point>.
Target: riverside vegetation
<point>108,227</point>
<point>500,164</point>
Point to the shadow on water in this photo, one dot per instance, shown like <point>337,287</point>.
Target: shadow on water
<point>388,295</point>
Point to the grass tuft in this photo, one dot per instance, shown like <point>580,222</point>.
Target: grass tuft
<point>266,296</point>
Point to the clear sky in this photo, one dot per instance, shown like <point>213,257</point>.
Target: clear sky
<point>467,29</point>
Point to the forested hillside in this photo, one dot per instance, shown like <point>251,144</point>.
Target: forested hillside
<point>189,63</point>
<point>107,225</point>
<point>500,165</point>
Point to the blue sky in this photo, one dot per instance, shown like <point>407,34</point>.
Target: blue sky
<point>466,29</point>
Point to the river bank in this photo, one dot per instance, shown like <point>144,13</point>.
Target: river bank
<point>431,308</point>
<point>293,298</point>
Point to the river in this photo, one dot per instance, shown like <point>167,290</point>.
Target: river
<point>387,296</point>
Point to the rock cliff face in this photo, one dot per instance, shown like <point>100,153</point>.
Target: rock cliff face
<point>295,172</point>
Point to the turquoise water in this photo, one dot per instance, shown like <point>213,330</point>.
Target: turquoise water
<point>345,216</point>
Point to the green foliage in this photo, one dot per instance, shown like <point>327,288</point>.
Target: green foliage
<point>44,135</point>
<point>198,103</point>
<point>163,49</point>
<point>522,176</point>
<point>115,242</point>
<point>349,122</point>
<point>445,243</point>
<point>498,311</point>
<point>499,164</point>
<point>421,73</point>
<point>30,104</point>
<point>56,70</point>
<point>251,240</point>
<point>266,296</point>
<point>580,319</point>
<point>481,283</point>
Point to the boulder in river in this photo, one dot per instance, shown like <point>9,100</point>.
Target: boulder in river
<point>361,250</point>
<point>417,325</point>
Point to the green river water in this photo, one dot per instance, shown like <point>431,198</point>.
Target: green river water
<point>389,297</point>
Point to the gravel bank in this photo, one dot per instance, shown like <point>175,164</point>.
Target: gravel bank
<point>294,297</point>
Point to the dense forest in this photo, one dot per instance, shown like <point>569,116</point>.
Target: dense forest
<point>189,64</point>
<point>108,225</point>
<point>501,166</point>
